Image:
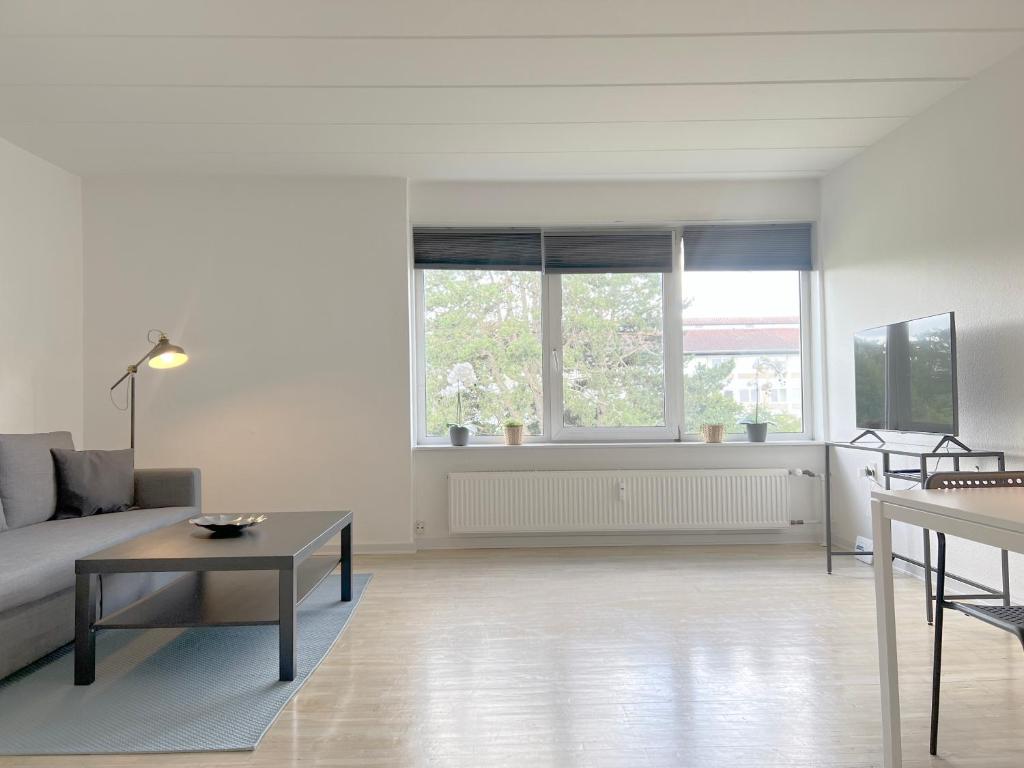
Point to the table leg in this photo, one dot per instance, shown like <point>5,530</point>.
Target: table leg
<point>929,601</point>
<point>286,622</point>
<point>1005,561</point>
<point>346,563</point>
<point>828,510</point>
<point>929,606</point>
<point>85,633</point>
<point>887,663</point>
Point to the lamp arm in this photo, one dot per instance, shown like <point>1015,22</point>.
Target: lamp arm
<point>134,368</point>
<point>117,383</point>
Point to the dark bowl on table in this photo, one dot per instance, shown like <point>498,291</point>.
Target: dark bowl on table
<point>227,525</point>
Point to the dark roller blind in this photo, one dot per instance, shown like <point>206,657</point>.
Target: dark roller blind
<point>747,247</point>
<point>648,250</point>
<point>435,248</point>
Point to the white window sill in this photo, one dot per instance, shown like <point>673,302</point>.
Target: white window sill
<point>693,444</point>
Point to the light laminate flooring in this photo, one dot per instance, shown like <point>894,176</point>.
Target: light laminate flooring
<point>690,657</point>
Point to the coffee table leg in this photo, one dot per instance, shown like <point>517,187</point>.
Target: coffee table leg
<point>286,628</point>
<point>85,634</point>
<point>346,563</point>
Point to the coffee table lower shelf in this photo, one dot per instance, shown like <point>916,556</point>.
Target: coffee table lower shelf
<point>219,598</point>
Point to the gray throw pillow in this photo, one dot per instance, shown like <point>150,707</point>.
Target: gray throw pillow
<point>93,482</point>
<point>28,487</point>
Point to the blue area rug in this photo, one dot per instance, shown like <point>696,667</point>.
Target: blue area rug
<point>195,690</point>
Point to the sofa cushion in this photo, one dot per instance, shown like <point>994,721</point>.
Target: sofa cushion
<point>93,482</point>
<point>38,560</point>
<point>28,485</point>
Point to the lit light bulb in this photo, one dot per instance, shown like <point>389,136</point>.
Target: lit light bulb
<point>169,359</point>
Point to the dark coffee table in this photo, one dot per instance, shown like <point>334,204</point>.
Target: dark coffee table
<point>228,582</point>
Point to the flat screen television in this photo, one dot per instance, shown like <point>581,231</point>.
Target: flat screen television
<point>906,376</point>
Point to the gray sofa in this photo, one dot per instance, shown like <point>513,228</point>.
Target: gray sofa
<point>37,554</point>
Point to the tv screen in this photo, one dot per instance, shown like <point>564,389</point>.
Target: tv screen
<point>906,376</point>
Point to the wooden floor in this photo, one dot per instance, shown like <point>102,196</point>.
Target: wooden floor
<point>719,657</point>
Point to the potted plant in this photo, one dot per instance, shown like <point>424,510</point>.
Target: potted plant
<point>712,433</point>
<point>461,376</point>
<point>757,430</point>
<point>513,432</point>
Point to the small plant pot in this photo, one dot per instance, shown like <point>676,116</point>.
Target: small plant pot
<point>712,433</point>
<point>757,433</point>
<point>514,435</point>
<point>458,435</point>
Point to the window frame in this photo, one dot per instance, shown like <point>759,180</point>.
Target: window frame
<point>806,379</point>
<point>671,337</point>
<point>674,430</point>
<point>420,406</point>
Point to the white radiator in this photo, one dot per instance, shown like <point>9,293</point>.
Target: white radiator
<point>636,500</point>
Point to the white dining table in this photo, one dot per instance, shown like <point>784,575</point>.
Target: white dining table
<point>990,515</point>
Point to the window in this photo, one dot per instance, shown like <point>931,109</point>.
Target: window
<point>482,345</point>
<point>600,335</point>
<point>743,329</point>
<point>612,362</point>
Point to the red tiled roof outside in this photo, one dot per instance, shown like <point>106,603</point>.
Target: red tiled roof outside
<point>709,341</point>
<point>741,320</point>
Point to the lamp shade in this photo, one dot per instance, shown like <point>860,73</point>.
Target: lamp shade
<point>166,355</point>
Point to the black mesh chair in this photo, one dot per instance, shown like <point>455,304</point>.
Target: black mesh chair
<point>1009,618</point>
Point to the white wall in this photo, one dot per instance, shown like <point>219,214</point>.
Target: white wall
<point>605,203</point>
<point>291,298</point>
<point>610,202</point>
<point>40,295</point>
<point>926,221</point>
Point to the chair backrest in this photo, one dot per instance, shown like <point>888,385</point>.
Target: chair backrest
<point>975,480</point>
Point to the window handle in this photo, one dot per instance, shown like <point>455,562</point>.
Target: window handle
<point>556,360</point>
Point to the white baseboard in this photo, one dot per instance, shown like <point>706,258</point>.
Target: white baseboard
<point>898,566</point>
<point>804,534</point>
<point>375,548</point>
<point>386,548</point>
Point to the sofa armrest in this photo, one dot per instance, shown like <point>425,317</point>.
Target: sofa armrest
<point>167,488</point>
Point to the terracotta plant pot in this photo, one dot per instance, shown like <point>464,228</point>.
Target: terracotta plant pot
<point>712,433</point>
<point>514,435</point>
<point>458,435</point>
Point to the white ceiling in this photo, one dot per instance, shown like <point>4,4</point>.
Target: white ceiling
<point>482,89</point>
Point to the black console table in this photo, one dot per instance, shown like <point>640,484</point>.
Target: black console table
<point>926,464</point>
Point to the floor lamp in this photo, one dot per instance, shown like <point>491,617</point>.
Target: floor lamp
<point>162,355</point>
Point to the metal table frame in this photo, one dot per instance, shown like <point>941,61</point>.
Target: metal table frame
<point>917,475</point>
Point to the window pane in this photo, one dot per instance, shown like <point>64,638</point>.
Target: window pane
<point>483,334</point>
<point>613,370</point>
<point>741,350</point>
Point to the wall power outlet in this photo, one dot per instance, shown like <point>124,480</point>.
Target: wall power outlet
<point>421,528</point>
